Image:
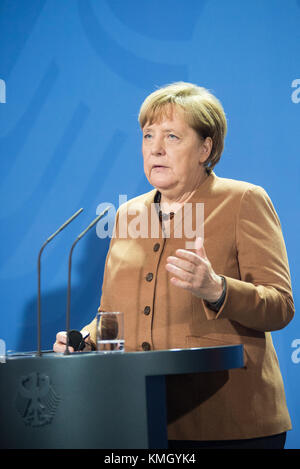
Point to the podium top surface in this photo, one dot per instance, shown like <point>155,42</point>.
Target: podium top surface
<point>157,362</point>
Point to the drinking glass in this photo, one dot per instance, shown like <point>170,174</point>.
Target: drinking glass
<point>110,332</point>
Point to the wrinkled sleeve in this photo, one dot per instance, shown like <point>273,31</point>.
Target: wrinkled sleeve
<point>262,298</point>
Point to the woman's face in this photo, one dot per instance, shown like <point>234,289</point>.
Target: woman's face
<point>174,154</point>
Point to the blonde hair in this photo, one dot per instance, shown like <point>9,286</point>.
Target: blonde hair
<point>202,111</point>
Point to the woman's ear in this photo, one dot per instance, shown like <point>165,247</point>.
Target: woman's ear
<point>205,149</point>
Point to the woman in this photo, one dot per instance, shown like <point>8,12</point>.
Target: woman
<point>231,286</point>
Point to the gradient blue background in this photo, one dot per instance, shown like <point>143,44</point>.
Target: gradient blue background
<point>76,72</point>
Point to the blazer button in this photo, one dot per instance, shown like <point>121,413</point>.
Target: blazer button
<point>146,346</point>
<point>149,277</point>
<point>147,310</point>
<point>156,247</point>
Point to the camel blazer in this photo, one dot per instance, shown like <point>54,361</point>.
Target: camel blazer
<point>244,243</point>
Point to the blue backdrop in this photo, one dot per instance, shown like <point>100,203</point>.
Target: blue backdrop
<point>73,74</point>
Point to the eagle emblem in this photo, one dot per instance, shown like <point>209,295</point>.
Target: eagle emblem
<point>36,400</point>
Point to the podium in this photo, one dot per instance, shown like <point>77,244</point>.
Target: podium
<point>96,400</point>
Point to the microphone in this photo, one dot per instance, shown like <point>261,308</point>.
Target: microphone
<point>64,225</point>
<point>76,340</point>
<point>69,276</point>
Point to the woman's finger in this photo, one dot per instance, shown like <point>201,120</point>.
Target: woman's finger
<point>180,273</point>
<point>190,256</point>
<point>182,264</point>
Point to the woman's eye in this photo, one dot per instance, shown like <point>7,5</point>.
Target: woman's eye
<point>173,137</point>
<point>147,136</point>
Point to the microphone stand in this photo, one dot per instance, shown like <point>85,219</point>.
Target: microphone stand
<point>39,353</point>
<point>66,352</point>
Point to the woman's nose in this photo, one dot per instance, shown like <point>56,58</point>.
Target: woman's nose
<point>157,147</point>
